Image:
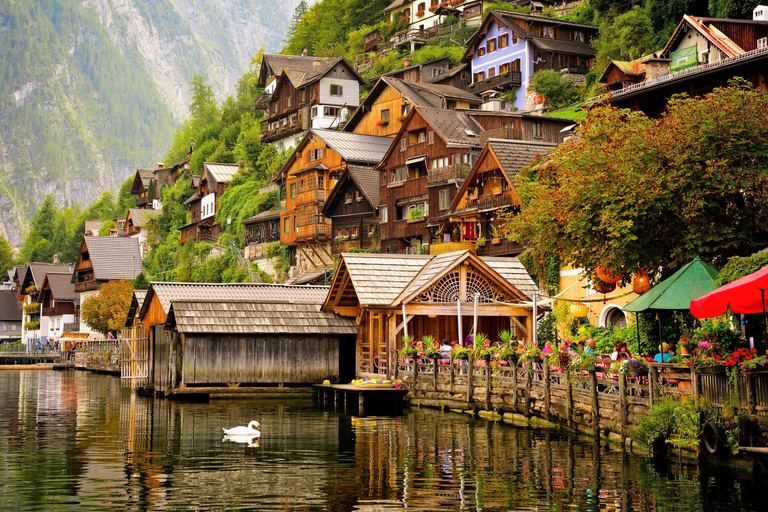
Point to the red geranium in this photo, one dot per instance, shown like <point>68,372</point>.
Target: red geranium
<point>738,357</point>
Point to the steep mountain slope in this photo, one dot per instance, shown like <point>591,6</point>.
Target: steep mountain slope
<point>92,90</point>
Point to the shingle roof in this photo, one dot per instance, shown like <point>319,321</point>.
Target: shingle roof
<point>167,292</point>
<point>367,180</point>
<point>269,214</point>
<point>144,176</point>
<point>93,226</point>
<point>513,155</point>
<point>221,173</point>
<point>62,287</point>
<point>397,3</point>
<point>380,279</point>
<point>355,147</point>
<point>252,317</point>
<point>140,296</point>
<point>191,198</point>
<point>431,95</point>
<point>557,45</point>
<point>35,272</point>
<point>448,74</point>
<point>452,126</point>
<point>114,257</point>
<point>10,309</point>
<point>139,218</point>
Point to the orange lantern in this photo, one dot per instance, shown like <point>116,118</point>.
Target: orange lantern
<point>609,276</point>
<point>579,309</point>
<point>641,284</point>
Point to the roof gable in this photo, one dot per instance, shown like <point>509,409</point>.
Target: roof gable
<point>220,173</point>
<point>139,218</point>
<point>60,287</point>
<point>141,180</point>
<point>274,64</point>
<point>710,32</point>
<point>112,258</point>
<point>366,180</point>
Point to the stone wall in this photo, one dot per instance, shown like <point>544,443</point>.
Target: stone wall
<point>108,362</point>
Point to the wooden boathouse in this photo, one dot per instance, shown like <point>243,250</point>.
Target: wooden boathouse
<point>436,293</point>
<point>219,338</point>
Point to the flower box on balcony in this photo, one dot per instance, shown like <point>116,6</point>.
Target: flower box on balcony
<point>471,198</point>
<point>382,123</point>
<point>420,13</point>
<point>412,221</point>
<point>433,8</point>
<point>496,241</point>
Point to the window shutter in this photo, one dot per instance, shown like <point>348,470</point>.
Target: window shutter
<point>431,137</point>
<point>402,144</point>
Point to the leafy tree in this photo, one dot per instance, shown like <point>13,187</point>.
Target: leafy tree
<point>6,255</point>
<point>738,9</point>
<point>629,191</point>
<point>125,200</point>
<point>140,282</point>
<point>107,311</point>
<point>556,87</point>
<point>628,36</point>
<point>104,230</point>
<point>203,109</point>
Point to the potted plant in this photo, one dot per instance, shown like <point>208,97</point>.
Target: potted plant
<point>408,349</point>
<point>460,352</point>
<point>420,13</point>
<point>480,242</point>
<point>416,214</point>
<point>495,234</point>
<point>340,238</point>
<point>756,364</point>
<point>687,346</point>
<point>382,123</point>
<point>431,348</point>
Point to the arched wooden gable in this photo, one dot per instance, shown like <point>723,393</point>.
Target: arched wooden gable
<point>462,283</point>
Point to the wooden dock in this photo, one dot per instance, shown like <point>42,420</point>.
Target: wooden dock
<point>350,398</point>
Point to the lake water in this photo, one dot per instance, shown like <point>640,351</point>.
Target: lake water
<point>78,441</point>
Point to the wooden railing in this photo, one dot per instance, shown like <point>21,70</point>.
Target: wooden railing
<point>511,79</point>
<point>449,172</point>
<point>596,398</point>
<point>505,132</point>
<point>446,247</point>
<point>488,202</point>
<point>281,133</point>
<point>313,231</point>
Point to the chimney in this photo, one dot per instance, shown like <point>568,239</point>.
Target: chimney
<point>160,165</point>
<point>55,259</point>
<point>406,62</point>
<point>304,52</point>
<point>656,66</point>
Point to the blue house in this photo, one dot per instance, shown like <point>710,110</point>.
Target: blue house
<point>509,48</point>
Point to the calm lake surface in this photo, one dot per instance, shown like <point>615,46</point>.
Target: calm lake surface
<point>78,441</point>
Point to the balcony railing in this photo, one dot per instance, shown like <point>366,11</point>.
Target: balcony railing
<point>313,231</point>
<point>445,247</point>
<point>510,79</point>
<point>488,202</point>
<point>449,172</point>
<point>281,133</point>
<point>505,132</point>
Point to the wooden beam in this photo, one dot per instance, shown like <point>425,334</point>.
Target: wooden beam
<point>467,309</point>
<point>520,326</point>
<point>347,310</point>
<point>342,286</point>
<point>308,257</point>
<point>392,347</point>
<point>402,324</point>
<point>319,257</point>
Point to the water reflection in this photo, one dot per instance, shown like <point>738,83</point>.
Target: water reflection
<point>77,441</point>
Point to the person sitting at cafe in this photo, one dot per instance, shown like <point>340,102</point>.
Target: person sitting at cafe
<point>664,354</point>
<point>445,352</point>
<point>589,349</point>
<point>620,351</point>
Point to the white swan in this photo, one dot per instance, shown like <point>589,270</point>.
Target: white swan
<point>253,430</point>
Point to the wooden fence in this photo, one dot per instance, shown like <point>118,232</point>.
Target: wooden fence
<point>135,356</point>
<point>596,399</point>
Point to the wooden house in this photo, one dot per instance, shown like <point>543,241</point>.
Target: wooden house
<point>262,228</point>
<point>60,303</point>
<point>425,17</point>
<point>92,227</point>
<point>459,77</point>
<point>204,202</point>
<point>420,72</point>
<point>436,293</point>
<point>702,53</point>
<point>101,260</point>
<point>30,283</point>
<point>143,181</point>
<point>490,187</point>
<point>200,334</point>
<point>509,48</point>
<point>352,207</point>
<point>137,224</point>
<point>389,102</point>
<point>302,92</point>
<point>307,178</point>
<point>10,317</point>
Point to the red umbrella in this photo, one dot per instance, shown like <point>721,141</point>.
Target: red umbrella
<point>744,295</point>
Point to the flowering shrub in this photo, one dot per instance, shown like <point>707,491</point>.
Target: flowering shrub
<point>408,350</point>
<point>755,363</point>
<point>738,357</point>
<point>634,366</point>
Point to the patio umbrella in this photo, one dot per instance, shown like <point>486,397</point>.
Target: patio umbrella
<point>745,295</point>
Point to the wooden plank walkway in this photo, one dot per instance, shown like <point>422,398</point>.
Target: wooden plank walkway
<point>382,400</point>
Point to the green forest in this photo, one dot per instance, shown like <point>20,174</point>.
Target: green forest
<point>229,131</point>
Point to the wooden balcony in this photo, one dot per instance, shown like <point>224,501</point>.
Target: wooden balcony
<point>444,174</point>
<point>505,248</point>
<point>313,232</point>
<point>505,132</point>
<point>141,201</point>
<point>274,134</point>
<point>403,229</point>
<point>486,202</point>
<point>511,79</point>
<point>445,247</point>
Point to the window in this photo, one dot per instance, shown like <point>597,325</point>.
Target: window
<point>398,174</point>
<point>295,225</point>
<point>431,135</point>
<point>491,45</point>
<point>354,232</point>
<point>371,230</point>
<point>514,38</point>
<point>450,105</point>
<point>516,65</point>
<point>405,109</point>
<point>504,68</point>
<point>417,137</point>
<point>331,111</point>
<point>403,144</point>
<point>434,3</point>
<point>481,51</point>
<point>473,11</point>
<point>358,196</point>
<point>315,154</point>
<point>546,32</point>
<point>385,115</point>
<point>336,90</point>
<point>286,224</point>
<point>491,71</point>
<point>293,191</point>
<point>288,101</point>
<point>314,111</point>
<point>303,95</point>
<point>382,214</point>
<point>577,35</point>
<point>444,199</point>
<point>503,40</point>
<point>347,197</point>
<point>537,130</point>
<point>480,76</point>
<point>13,327</point>
<point>422,7</point>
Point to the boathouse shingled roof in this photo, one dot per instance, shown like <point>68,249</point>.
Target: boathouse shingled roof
<point>216,292</point>
<point>386,279</point>
<point>113,258</point>
<point>255,317</point>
